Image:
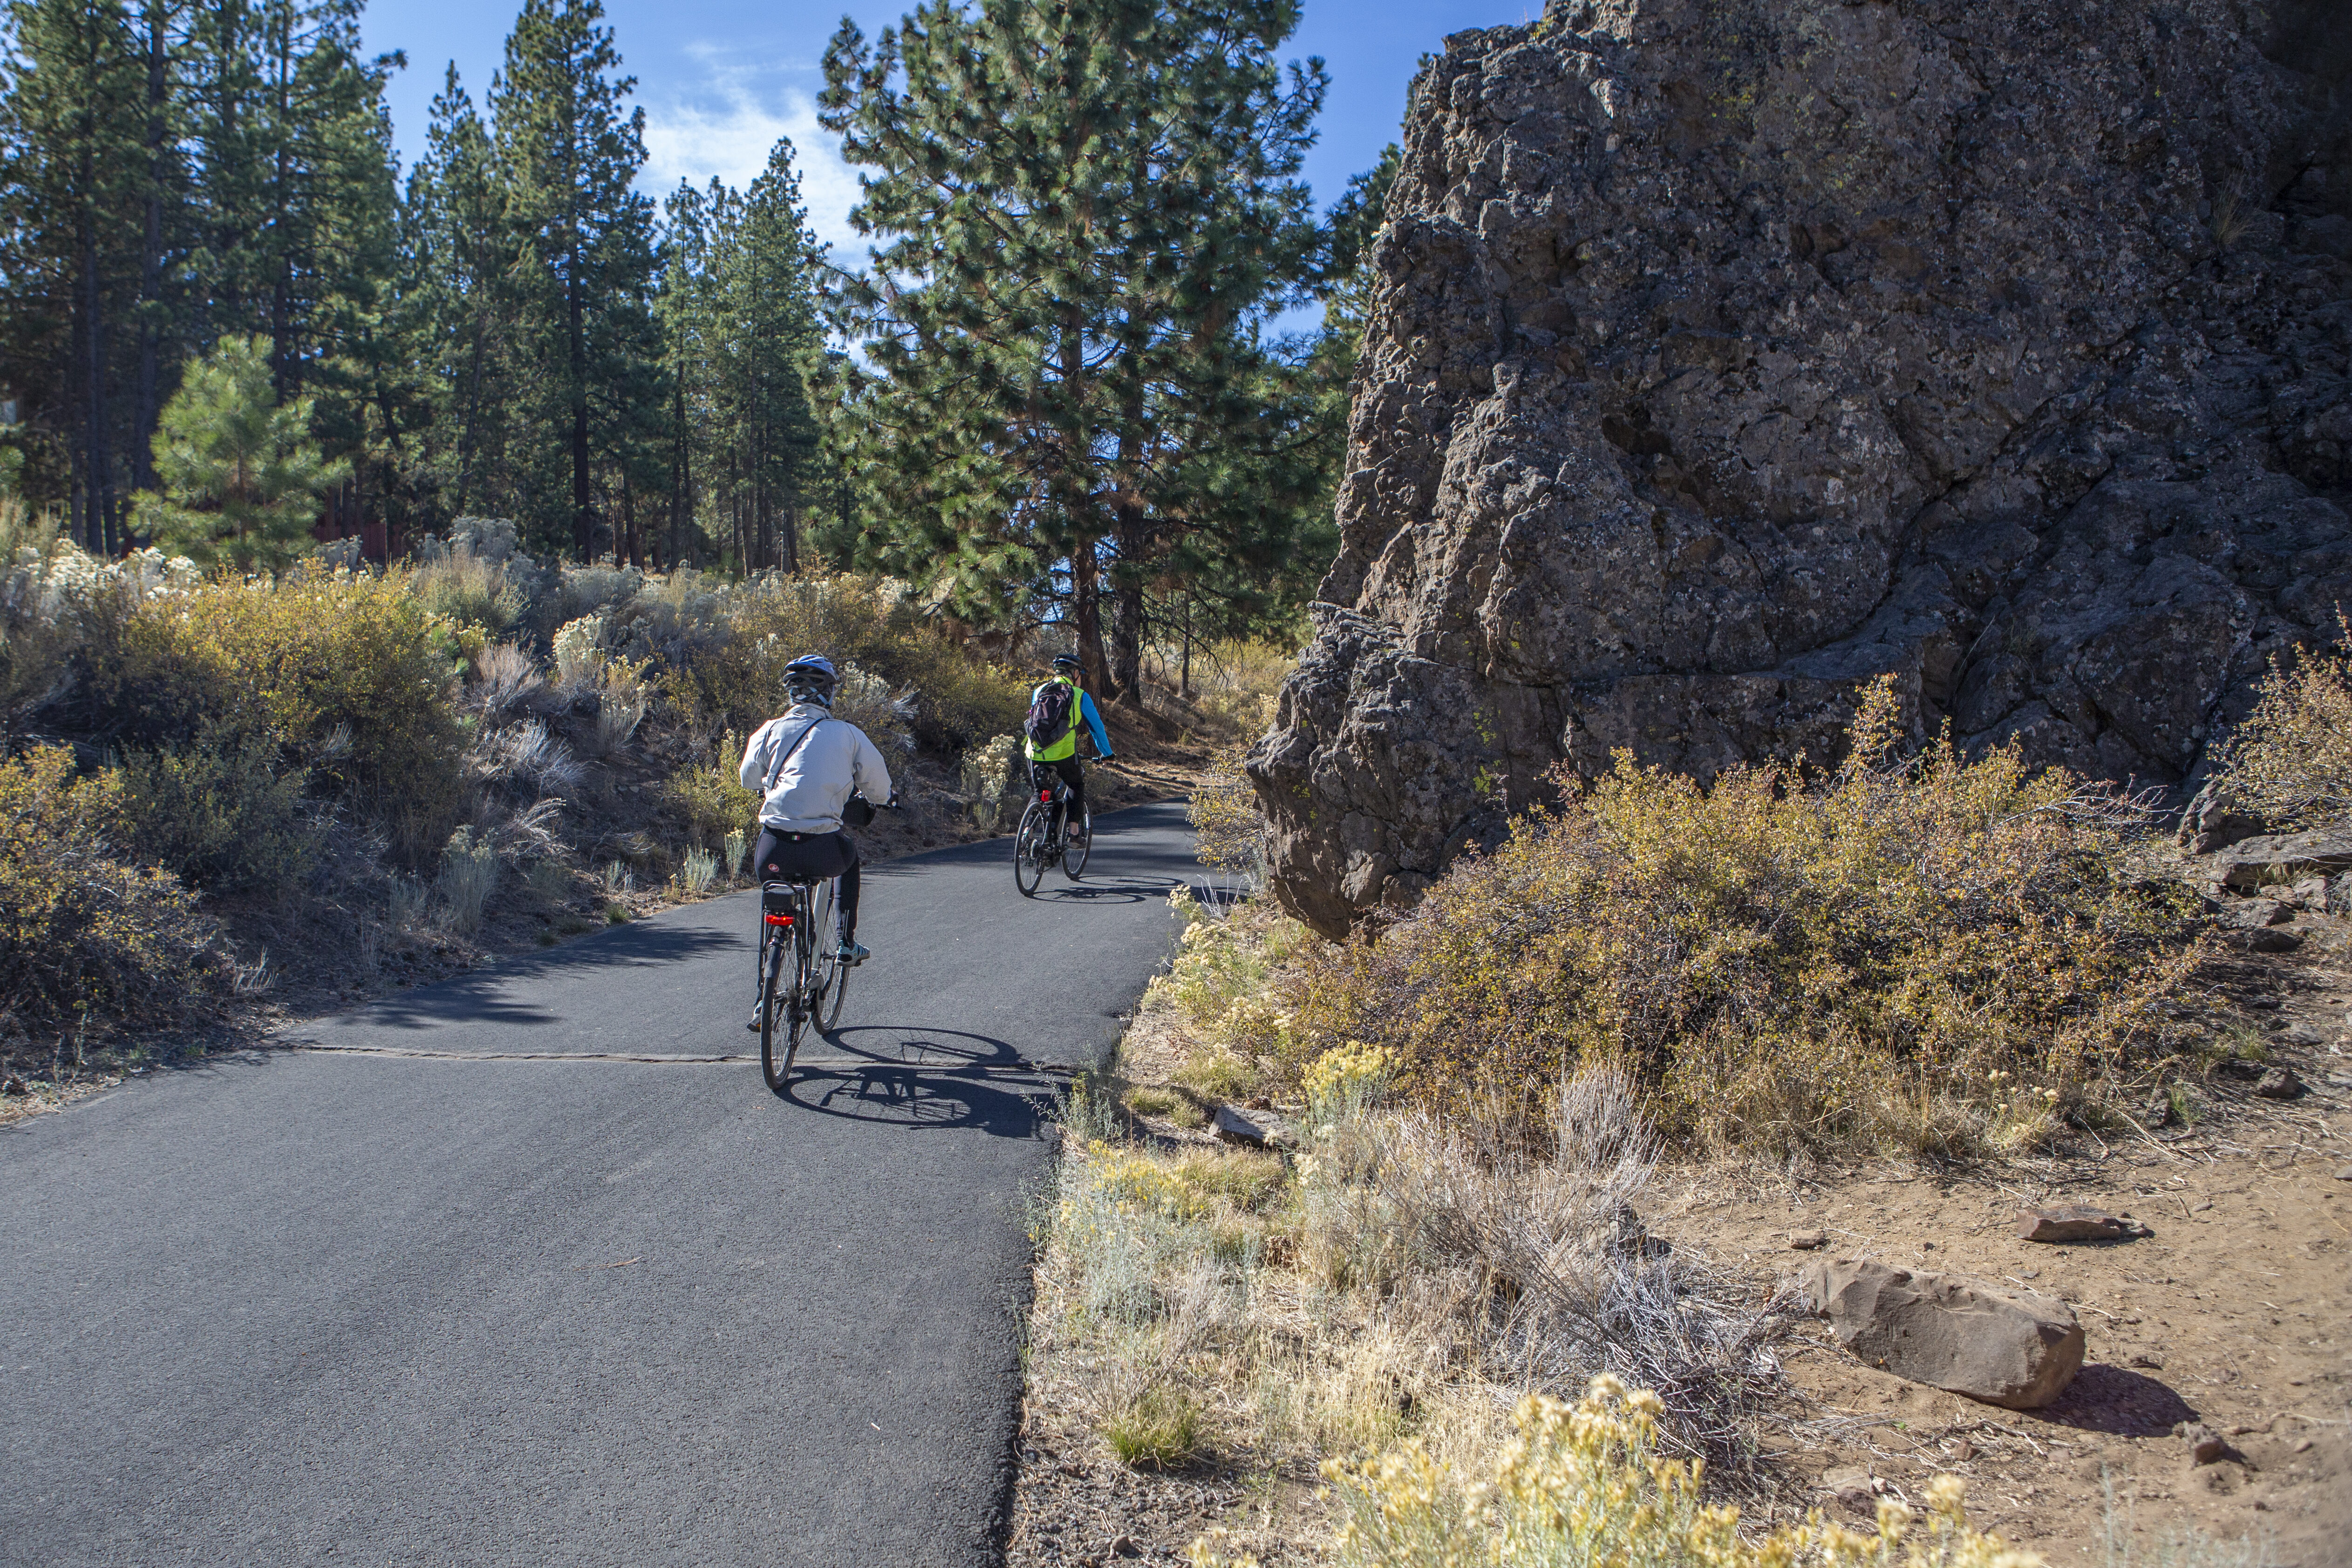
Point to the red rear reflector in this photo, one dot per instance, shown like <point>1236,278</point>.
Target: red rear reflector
<point>779,920</point>
<point>1045,796</point>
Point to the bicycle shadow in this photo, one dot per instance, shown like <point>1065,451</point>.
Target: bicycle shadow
<point>927,1079</point>
<point>1105,893</point>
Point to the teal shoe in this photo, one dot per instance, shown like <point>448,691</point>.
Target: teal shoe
<point>851,954</point>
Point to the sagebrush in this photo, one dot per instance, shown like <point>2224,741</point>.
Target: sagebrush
<point>1929,950</point>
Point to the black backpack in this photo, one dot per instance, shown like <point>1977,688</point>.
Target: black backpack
<point>1049,714</point>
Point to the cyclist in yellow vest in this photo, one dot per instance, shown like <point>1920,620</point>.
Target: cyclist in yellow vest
<point>1057,753</point>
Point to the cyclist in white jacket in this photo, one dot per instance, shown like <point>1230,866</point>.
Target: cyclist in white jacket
<point>805,766</point>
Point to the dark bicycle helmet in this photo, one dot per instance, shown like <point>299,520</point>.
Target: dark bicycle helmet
<point>811,678</point>
<point>1067,662</point>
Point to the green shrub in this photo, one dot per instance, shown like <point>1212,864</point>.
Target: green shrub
<point>78,928</point>
<point>711,802</point>
<point>223,813</point>
<point>467,589</point>
<point>2290,763</point>
<point>1782,958</point>
<point>957,698</point>
<point>348,677</point>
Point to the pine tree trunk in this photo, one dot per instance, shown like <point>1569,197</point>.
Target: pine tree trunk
<point>1086,612</point>
<point>636,556</point>
<point>584,530</point>
<point>466,428</point>
<point>1129,528</point>
<point>1184,681</point>
<point>100,465</point>
<point>146,403</point>
<point>281,260</point>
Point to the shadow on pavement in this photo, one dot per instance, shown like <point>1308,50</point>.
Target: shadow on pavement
<point>1003,1103</point>
<point>474,998</point>
<point>1104,892</point>
<point>922,1077</point>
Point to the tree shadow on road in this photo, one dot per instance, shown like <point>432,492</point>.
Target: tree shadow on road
<point>475,997</point>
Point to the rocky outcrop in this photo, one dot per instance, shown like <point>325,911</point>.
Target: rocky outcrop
<point>1726,354</point>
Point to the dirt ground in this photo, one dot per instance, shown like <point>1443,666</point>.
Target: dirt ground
<point>2235,1310</point>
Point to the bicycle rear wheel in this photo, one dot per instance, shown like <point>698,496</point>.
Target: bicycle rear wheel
<point>1076,845</point>
<point>775,1052</point>
<point>1029,851</point>
<point>798,995</point>
<point>831,974</point>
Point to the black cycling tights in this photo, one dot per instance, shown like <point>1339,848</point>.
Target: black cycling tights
<point>1071,774</point>
<point>777,856</point>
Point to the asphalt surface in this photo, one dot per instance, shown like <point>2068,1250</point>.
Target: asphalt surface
<point>529,1266</point>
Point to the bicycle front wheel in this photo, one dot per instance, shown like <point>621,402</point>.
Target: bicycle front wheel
<point>1078,845</point>
<point>831,974</point>
<point>775,1047</point>
<point>1029,851</point>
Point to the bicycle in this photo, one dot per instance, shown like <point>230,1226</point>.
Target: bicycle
<point>1042,838</point>
<point>797,924</point>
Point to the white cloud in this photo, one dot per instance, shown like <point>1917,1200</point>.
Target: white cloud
<point>727,129</point>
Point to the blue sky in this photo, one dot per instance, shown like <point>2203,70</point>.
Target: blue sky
<point>719,81</point>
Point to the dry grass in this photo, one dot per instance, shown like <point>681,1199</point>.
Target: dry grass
<point>1407,1275</point>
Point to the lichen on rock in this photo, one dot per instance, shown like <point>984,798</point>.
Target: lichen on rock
<point>1727,353</point>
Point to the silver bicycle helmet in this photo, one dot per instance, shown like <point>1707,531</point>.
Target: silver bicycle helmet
<point>811,678</point>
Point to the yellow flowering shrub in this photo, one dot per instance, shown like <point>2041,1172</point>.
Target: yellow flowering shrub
<point>1342,1082</point>
<point>1780,958</point>
<point>1585,1484</point>
<point>1133,1180</point>
<point>346,676</point>
<point>78,928</point>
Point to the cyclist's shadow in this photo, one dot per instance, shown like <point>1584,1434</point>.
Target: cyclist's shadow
<point>942,1078</point>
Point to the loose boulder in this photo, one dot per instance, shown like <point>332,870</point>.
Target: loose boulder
<point>2282,859</point>
<point>2008,1347</point>
<point>1259,1131</point>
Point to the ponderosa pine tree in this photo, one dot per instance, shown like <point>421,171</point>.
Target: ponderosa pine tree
<point>74,200</point>
<point>240,474</point>
<point>585,356</point>
<point>1086,213</point>
<point>456,261</point>
<point>741,327</point>
<point>178,171</point>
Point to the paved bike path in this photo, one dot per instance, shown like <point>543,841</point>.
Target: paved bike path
<point>522,1267</point>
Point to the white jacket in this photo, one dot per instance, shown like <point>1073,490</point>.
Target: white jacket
<point>817,781</point>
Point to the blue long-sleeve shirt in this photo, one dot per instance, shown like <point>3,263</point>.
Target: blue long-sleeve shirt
<point>1094,722</point>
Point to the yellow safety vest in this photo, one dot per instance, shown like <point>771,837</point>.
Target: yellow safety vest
<point>1067,746</point>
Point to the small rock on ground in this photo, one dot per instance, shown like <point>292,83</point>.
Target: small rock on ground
<point>2075,1222</point>
<point>2279,1083</point>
